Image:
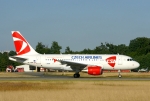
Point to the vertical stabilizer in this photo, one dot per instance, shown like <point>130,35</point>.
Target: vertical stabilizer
<point>21,45</point>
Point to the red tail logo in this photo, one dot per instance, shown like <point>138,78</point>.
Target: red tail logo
<point>111,61</point>
<point>20,43</point>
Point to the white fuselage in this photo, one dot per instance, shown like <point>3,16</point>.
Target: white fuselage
<point>107,62</point>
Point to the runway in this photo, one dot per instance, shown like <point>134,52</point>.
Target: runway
<point>43,77</point>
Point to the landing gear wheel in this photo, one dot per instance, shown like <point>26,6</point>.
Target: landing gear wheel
<point>76,75</point>
<point>120,76</point>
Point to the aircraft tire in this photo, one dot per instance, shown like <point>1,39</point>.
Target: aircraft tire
<point>76,75</point>
<point>119,76</point>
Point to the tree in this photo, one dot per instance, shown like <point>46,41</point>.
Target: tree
<point>87,51</point>
<point>102,49</point>
<point>55,48</point>
<point>4,60</point>
<point>143,60</point>
<point>42,49</point>
<point>112,48</point>
<point>68,51</point>
<point>12,53</point>
<point>140,45</point>
<point>122,49</point>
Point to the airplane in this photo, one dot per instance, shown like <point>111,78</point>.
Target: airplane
<point>144,70</point>
<point>93,64</point>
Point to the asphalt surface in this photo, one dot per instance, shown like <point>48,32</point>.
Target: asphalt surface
<point>41,76</point>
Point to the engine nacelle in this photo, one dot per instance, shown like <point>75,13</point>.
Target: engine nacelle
<point>95,70</point>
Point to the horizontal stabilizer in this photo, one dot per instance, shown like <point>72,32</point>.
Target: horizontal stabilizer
<point>17,58</point>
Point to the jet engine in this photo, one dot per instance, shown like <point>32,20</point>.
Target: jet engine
<point>95,70</point>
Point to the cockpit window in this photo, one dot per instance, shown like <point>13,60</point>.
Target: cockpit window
<point>130,60</point>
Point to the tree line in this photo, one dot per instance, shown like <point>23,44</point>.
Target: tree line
<point>138,49</point>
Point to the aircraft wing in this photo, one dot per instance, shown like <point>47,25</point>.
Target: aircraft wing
<point>74,65</point>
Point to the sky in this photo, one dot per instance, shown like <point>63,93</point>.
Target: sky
<point>78,24</point>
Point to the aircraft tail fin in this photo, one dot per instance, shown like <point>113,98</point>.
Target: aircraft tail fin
<point>21,45</point>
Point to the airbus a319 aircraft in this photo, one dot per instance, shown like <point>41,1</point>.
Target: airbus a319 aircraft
<point>93,64</point>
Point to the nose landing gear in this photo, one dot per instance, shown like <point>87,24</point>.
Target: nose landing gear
<point>119,74</point>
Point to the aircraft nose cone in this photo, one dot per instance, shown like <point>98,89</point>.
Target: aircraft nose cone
<point>137,64</point>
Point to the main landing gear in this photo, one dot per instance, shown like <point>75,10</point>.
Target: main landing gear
<point>76,75</point>
<point>119,74</point>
